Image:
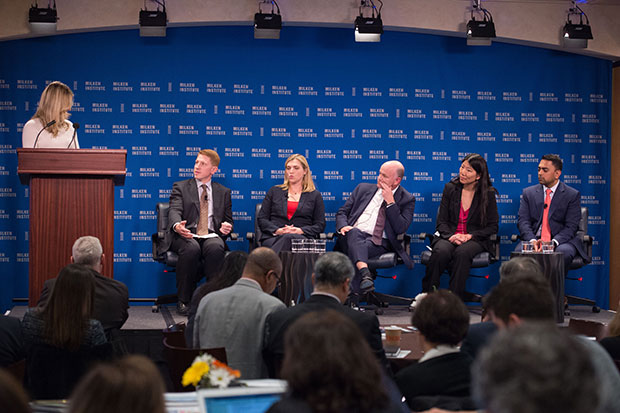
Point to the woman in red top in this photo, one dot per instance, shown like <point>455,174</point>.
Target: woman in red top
<point>293,209</point>
<point>466,220</point>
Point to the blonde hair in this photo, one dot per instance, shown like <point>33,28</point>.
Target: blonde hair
<point>212,155</point>
<point>55,104</point>
<point>307,183</point>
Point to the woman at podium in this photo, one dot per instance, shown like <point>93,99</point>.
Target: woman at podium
<point>293,209</point>
<point>466,220</point>
<point>50,127</point>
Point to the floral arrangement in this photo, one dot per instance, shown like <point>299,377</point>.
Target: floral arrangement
<point>206,371</point>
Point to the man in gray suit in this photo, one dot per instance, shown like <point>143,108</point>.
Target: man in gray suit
<point>200,218</point>
<point>234,317</point>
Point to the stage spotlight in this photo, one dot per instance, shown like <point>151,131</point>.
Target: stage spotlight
<point>480,32</point>
<point>43,21</point>
<point>369,29</point>
<point>153,23</point>
<point>267,25</point>
<point>576,35</point>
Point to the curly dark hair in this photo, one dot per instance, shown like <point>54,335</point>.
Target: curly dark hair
<point>442,318</point>
<point>329,365</point>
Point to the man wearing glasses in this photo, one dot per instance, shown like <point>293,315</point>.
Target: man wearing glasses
<point>234,317</point>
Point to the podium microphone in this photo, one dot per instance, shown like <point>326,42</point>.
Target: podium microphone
<point>50,123</point>
<point>76,126</point>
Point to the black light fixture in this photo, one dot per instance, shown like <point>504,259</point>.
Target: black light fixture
<point>369,29</point>
<point>268,25</point>
<point>576,35</point>
<point>153,23</point>
<point>43,20</point>
<point>480,32</point>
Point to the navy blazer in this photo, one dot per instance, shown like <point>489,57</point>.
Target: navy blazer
<point>398,217</point>
<point>309,215</point>
<point>185,205</point>
<point>449,210</point>
<point>564,215</point>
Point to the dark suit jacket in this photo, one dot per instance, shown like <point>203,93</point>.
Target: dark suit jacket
<point>612,345</point>
<point>309,216</point>
<point>398,217</point>
<point>111,301</point>
<point>278,322</point>
<point>185,205</point>
<point>449,209</point>
<point>564,215</point>
<point>11,342</point>
<point>446,375</point>
<point>478,335</point>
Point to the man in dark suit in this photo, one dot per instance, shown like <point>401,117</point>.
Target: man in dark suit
<point>371,220</point>
<point>200,218</point>
<point>554,203</point>
<point>111,296</point>
<point>332,276</point>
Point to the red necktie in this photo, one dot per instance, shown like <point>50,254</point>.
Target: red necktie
<point>545,232</point>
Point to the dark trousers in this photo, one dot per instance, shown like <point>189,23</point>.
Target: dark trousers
<point>189,271</point>
<point>281,242</point>
<point>358,246</point>
<point>448,255</point>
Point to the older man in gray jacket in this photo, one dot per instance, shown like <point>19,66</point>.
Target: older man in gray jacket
<point>234,317</point>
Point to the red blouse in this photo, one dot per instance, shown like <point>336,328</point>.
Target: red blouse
<point>461,228</point>
<point>291,207</point>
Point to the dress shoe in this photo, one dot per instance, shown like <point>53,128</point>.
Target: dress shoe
<point>472,297</point>
<point>182,308</point>
<point>367,284</point>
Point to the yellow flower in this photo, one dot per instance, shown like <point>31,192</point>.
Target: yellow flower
<point>194,373</point>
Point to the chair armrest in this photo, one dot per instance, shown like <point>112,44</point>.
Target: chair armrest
<point>250,236</point>
<point>514,237</point>
<point>329,235</point>
<point>426,235</point>
<point>233,236</point>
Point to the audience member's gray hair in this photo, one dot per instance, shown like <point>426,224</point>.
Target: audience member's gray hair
<point>535,368</point>
<point>87,251</point>
<point>518,267</point>
<point>333,268</point>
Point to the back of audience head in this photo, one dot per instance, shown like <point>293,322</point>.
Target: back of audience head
<point>535,369</point>
<point>264,266</point>
<point>69,307</point>
<point>132,384</point>
<point>614,325</point>
<point>442,318</point>
<point>13,398</point>
<point>333,272</point>
<point>518,267</point>
<point>87,251</point>
<point>231,270</point>
<point>526,298</point>
<point>330,366</point>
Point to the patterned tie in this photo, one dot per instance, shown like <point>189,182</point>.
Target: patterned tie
<point>377,234</point>
<point>545,232</point>
<point>203,221</point>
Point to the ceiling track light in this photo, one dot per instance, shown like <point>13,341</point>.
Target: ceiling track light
<point>369,29</point>
<point>576,35</point>
<point>153,23</point>
<point>43,20</point>
<point>480,32</point>
<point>268,25</point>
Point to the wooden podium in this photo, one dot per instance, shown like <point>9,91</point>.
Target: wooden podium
<point>71,195</point>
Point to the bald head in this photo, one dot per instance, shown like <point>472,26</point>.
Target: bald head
<point>395,166</point>
<point>390,174</point>
<point>264,266</point>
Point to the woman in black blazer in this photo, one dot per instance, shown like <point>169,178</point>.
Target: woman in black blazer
<point>293,209</point>
<point>467,218</point>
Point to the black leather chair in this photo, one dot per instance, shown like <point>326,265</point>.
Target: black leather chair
<point>481,260</point>
<point>168,258</point>
<point>578,262</point>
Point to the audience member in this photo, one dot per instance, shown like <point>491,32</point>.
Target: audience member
<point>234,317</point>
<point>442,320</point>
<point>534,368</point>
<point>332,276</point>
<point>62,338</point>
<point>611,343</point>
<point>231,270</point>
<point>11,342</point>
<point>479,333</point>
<point>111,296</point>
<point>329,367</point>
<point>13,399</point>
<point>132,384</point>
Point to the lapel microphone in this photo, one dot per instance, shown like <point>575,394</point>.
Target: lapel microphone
<point>50,123</point>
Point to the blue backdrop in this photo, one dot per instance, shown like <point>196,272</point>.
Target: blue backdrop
<point>425,100</point>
